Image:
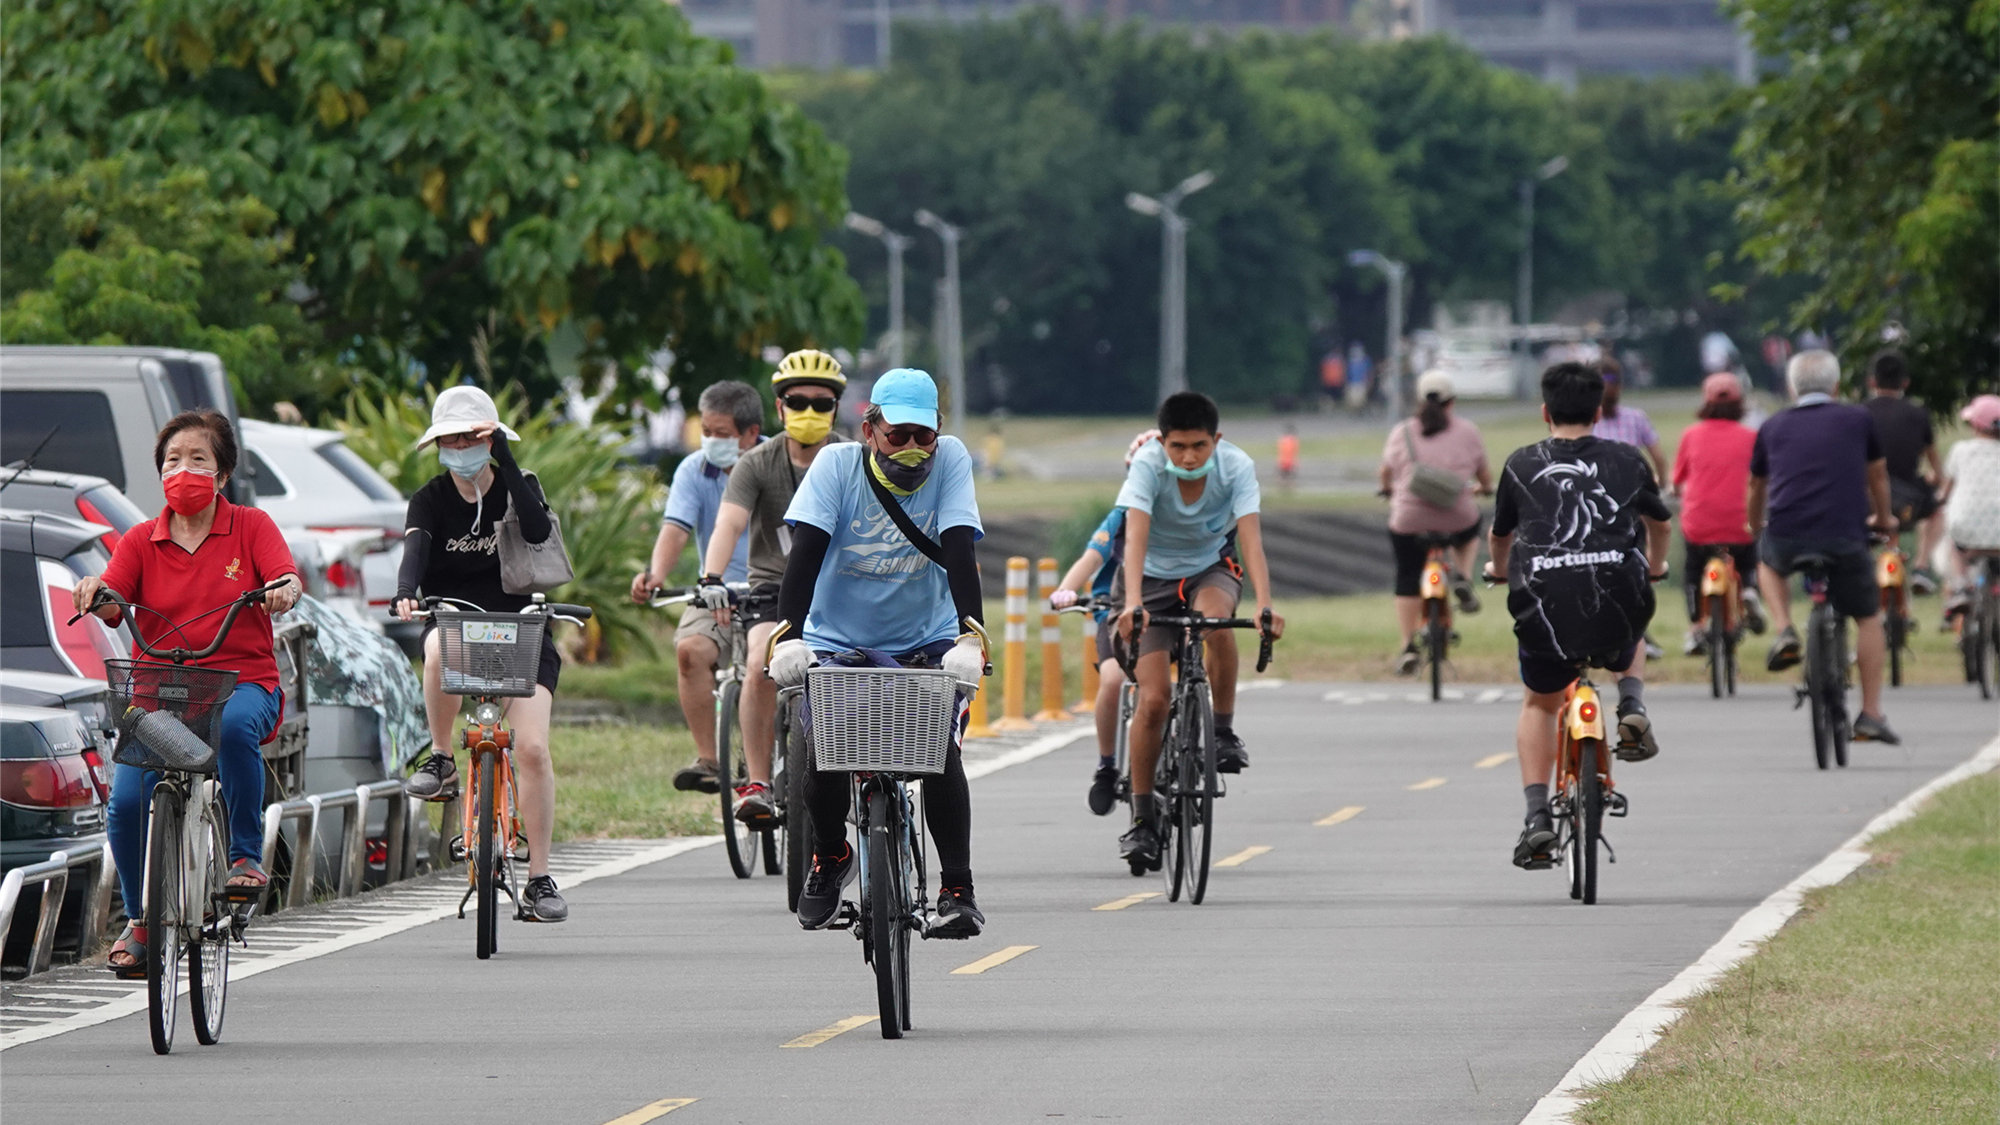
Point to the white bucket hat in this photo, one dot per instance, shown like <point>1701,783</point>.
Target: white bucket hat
<point>458,410</point>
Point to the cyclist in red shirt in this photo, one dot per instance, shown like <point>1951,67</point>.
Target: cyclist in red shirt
<point>1712,478</point>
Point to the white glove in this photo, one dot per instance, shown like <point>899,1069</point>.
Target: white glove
<point>714,595</point>
<point>1062,599</point>
<point>789,662</point>
<point>966,660</point>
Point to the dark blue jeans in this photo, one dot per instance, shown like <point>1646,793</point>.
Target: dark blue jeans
<point>250,714</point>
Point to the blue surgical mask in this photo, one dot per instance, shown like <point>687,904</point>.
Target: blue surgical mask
<point>721,452</point>
<point>465,463</point>
<point>1195,473</point>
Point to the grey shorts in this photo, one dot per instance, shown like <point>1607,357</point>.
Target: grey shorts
<point>1173,595</point>
<point>699,621</point>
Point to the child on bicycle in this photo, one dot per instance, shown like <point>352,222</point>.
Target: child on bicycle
<point>1568,522</point>
<point>1184,496</point>
<point>1097,566</point>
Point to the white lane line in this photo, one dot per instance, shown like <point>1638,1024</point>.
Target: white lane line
<point>1492,695</point>
<point>423,915</point>
<point>1047,744</point>
<point>1619,1050</point>
<point>1259,685</point>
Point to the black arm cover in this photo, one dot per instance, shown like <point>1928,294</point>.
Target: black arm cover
<point>961,568</point>
<point>416,560</point>
<point>535,525</point>
<point>795,594</point>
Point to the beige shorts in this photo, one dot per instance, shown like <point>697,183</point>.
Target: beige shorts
<point>699,621</point>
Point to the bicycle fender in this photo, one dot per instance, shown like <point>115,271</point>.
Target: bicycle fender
<point>1585,715</point>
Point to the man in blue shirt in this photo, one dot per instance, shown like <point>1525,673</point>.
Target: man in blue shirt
<point>855,581</point>
<point>1183,497</point>
<point>1821,468</point>
<point>732,419</point>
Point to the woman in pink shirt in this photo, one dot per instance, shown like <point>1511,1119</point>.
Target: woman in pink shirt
<point>1712,477</point>
<point>1442,440</point>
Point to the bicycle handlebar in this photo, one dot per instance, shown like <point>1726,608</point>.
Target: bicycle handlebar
<point>739,593</point>
<point>575,614</point>
<point>1124,650</point>
<point>182,654</point>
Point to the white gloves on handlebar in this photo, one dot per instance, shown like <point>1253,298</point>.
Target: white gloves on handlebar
<point>714,595</point>
<point>1062,599</point>
<point>789,662</point>
<point>966,660</point>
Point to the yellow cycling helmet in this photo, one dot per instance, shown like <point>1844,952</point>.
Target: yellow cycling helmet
<point>808,366</point>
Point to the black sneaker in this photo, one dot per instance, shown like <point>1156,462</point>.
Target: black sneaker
<point>1869,728</point>
<point>1784,650</point>
<point>1468,602</point>
<point>1230,756</point>
<point>435,780</point>
<point>1103,789</point>
<point>1140,846</point>
<point>1635,733</point>
<point>697,775</point>
<point>1408,660</point>
<point>754,807</point>
<point>819,900</point>
<point>1531,851</point>
<point>541,902</point>
<point>958,916</point>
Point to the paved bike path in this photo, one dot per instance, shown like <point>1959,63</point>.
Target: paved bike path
<point>1391,966</point>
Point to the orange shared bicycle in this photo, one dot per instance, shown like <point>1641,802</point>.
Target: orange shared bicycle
<point>1584,793</point>
<point>1719,619</point>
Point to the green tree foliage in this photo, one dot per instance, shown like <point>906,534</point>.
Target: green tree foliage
<point>118,253</point>
<point>1868,166</point>
<point>582,162</point>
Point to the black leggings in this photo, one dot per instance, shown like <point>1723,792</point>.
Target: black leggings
<point>1745,555</point>
<point>947,805</point>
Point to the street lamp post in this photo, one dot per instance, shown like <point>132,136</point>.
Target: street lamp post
<point>1392,362</point>
<point>896,244</point>
<point>953,346</point>
<point>1173,276</point>
<point>1524,297</point>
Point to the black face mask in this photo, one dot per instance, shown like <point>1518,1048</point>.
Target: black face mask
<point>904,478</point>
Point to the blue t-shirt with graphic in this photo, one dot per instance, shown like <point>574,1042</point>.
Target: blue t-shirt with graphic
<point>1109,542</point>
<point>694,499</point>
<point>1186,539</point>
<point>875,589</point>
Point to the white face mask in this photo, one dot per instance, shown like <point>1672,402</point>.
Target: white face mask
<point>721,452</point>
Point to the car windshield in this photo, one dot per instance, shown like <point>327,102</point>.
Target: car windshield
<point>360,472</point>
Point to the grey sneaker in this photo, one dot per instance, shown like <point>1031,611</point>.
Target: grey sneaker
<point>1408,660</point>
<point>541,902</point>
<point>1531,851</point>
<point>1870,728</point>
<point>1785,650</point>
<point>1468,602</point>
<point>435,780</point>
<point>1635,733</point>
<point>697,775</point>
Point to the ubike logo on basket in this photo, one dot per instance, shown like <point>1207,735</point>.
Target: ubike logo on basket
<point>489,632</point>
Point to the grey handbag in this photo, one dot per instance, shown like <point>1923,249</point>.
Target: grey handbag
<point>532,568</point>
<point>1440,488</point>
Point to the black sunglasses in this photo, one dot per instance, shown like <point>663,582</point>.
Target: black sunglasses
<point>812,403</point>
<point>904,435</point>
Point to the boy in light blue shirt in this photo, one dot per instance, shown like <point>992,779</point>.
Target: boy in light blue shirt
<point>1184,496</point>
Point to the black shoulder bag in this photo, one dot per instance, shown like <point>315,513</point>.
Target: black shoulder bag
<point>899,517</point>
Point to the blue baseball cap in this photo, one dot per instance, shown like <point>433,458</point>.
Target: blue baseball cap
<point>906,397</point>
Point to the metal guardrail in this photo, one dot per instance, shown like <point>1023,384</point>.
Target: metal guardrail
<point>398,831</point>
<point>52,875</point>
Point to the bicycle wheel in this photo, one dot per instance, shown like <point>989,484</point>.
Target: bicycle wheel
<point>1836,703</point>
<point>1817,674</point>
<point>1718,646</point>
<point>1437,635</point>
<point>1979,640</point>
<point>1569,825</point>
<point>1590,791</point>
<point>1896,628</point>
<point>798,821</point>
<point>738,838</point>
<point>208,961</point>
<point>166,868</point>
<point>1197,805</point>
<point>887,899</point>
<point>487,919</point>
<point>1167,787</point>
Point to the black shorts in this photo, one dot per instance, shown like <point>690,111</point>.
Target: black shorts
<point>549,671</point>
<point>1104,650</point>
<point>1411,552</point>
<point>1850,581</point>
<point>1911,501</point>
<point>1546,675</point>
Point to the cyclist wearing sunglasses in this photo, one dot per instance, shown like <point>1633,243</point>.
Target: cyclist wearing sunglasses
<point>808,385</point>
<point>860,584</point>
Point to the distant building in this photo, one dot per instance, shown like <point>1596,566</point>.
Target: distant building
<point>1562,40</point>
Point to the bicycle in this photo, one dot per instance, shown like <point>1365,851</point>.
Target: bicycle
<point>885,727</point>
<point>1892,569</point>
<point>1184,776</point>
<point>746,843</point>
<point>490,657</point>
<point>1824,688</point>
<point>189,908</point>
<point>1584,792</point>
<point>1719,616</point>
<point>1979,625</point>
<point>1128,702</point>
<point>1435,587</point>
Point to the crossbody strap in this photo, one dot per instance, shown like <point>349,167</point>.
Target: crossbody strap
<point>899,517</point>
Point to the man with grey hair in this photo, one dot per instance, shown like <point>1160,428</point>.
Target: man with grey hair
<point>732,421</point>
<point>1818,484</point>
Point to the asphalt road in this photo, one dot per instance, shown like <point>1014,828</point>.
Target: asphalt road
<point>1389,966</point>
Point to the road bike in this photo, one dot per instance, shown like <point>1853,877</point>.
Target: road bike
<point>886,727</point>
<point>489,657</point>
<point>1184,775</point>
<point>747,843</point>
<point>1435,588</point>
<point>1892,574</point>
<point>1979,625</point>
<point>1719,618</point>
<point>172,724</point>
<point>1584,793</point>
<point>1824,689</point>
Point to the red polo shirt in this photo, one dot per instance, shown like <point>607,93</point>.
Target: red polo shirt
<point>244,550</point>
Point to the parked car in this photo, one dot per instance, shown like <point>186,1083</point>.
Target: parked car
<point>52,799</point>
<point>87,698</point>
<point>309,478</point>
<point>41,558</point>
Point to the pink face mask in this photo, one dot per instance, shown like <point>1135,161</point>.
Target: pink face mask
<point>189,491</point>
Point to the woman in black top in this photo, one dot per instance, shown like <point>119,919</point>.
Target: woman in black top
<point>451,549</point>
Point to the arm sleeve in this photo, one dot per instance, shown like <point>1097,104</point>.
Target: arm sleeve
<point>416,563</point>
<point>526,498</point>
<point>961,569</point>
<point>795,593</point>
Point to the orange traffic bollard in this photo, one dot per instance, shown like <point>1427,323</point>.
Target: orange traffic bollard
<point>1052,710</point>
<point>1088,652</point>
<point>1014,658</point>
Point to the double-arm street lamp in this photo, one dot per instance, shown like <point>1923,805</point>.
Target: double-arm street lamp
<point>1173,276</point>
<point>1392,363</point>
<point>951,345</point>
<point>896,244</point>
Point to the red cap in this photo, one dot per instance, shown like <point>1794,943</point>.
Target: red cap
<point>1721,387</point>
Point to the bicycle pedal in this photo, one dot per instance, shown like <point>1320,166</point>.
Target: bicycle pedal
<point>1610,856</point>
<point>458,852</point>
<point>1617,805</point>
<point>1539,863</point>
<point>848,917</point>
<point>1799,697</point>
